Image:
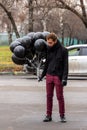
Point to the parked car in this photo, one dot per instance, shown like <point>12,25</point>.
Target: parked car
<point>77,59</point>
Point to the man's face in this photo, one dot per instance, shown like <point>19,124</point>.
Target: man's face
<point>50,42</point>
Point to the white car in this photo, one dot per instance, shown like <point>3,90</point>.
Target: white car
<point>77,59</point>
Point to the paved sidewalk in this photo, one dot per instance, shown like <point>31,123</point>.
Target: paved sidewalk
<point>23,99</point>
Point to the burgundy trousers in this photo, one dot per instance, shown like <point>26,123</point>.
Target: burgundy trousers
<point>51,82</point>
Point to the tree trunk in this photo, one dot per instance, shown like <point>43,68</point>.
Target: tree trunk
<point>30,3</point>
<point>11,19</point>
<point>62,33</point>
<point>9,33</point>
<point>44,25</point>
<point>70,40</point>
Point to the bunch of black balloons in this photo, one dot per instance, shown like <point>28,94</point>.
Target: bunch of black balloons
<point>26,47</point>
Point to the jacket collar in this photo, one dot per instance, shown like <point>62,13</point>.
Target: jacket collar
<point>55,47</point>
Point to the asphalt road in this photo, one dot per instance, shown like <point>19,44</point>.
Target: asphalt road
<point>23,99</point>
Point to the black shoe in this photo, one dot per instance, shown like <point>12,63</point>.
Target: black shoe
<point>47,119</point>
<point>63,119</point>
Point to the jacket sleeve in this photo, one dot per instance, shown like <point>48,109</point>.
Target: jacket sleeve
<point>65,65</point>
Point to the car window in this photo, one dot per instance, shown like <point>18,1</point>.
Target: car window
<point>83,51</point>
<point>74,52</point>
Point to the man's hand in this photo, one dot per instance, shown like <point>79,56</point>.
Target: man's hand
<point>39,79</point>
<point>64,82</point>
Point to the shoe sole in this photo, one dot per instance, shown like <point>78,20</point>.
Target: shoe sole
<point>47,120</point>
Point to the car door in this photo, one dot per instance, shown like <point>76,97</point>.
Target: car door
<point>83,61</point>
<point>74,60</point>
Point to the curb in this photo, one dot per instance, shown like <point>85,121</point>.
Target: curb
<point>13,73</point>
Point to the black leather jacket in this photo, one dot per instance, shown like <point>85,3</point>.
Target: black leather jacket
<point>56,61</point>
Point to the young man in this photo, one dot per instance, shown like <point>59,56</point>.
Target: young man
<point>56,71</point>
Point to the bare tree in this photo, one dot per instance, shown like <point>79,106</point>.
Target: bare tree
<point>73,27</point>
<point>79,8</point>
<point>10,17</point>
<point>44,8</point>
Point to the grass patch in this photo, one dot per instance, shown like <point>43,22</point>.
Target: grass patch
<point>6,63</point>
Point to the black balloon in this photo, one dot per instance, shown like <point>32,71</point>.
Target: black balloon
<point>30,53</point>
<point>25,41</point>
<point>45,33</point>
<point>18,61</point>
<point>14,44</point>
<point>28,46</point>
<point>38,35</point>
<point>19,51</point>
<point>31,35</point>
<point>40,45</point>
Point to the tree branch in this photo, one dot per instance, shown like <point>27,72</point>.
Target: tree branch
<point>83,8</point>
<point>66,6</point>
